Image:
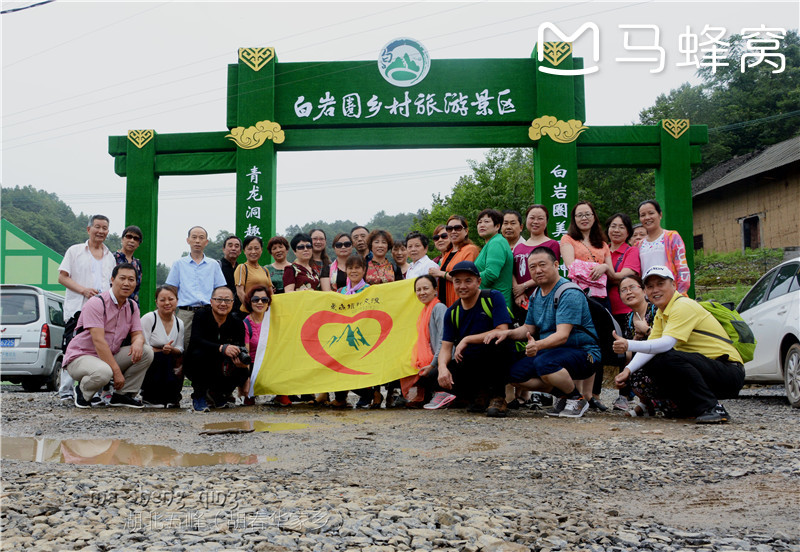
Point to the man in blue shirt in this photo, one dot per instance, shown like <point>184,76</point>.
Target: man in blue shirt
<point>469,367</point>
<point>195,276</point>
<point>567,348</point>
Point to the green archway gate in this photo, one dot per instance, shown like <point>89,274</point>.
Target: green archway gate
<point>461,103</point>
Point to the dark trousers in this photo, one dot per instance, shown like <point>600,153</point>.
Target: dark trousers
<point>161,385</point>
<point>213,376</point>
<point>483,370</point>
<point>694,381</point>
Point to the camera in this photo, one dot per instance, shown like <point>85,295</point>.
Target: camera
<point>244,358</point>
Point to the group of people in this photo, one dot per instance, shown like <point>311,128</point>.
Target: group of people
<point>498,323</point>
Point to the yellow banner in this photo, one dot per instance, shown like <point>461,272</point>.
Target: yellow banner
<point>313,342</point>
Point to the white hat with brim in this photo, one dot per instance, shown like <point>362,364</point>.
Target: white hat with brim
<point>660,271</point>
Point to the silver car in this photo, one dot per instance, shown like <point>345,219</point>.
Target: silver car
<point>31,329</point>
<point>772,309</point>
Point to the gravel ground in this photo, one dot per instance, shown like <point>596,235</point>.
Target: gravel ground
<point>384,480</point>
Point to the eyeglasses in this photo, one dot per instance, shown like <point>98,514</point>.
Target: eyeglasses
<point>264,300</point>
<point>437,237</point>
<point>629,288</point>
<point>222,300</point>
<point>341,245</point>
<point>584,215</point>
<point>302,246</point>
<point>132,237</point>
<point>454,228</point>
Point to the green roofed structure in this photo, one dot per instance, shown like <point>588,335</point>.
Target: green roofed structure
<point>26,260</point>
<point>404,100</point>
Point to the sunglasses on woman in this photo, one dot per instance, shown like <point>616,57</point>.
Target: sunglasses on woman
<point>341,245</point>
<point>132,237</point>
<point>303,247</point>
<point>264,300</point>
<point>454,228</point>
<point>437,237</point>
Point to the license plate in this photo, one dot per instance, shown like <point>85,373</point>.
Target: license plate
<point>8,342</point>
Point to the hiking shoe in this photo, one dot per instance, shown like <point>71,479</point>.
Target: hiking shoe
<point>67,398</point>
<point>120,399</point>
<point>80,402</point>
<point>621,404</point>
<point>515,404</point>
<point>710,416</point>
<point>575,408</point>
<point>97,400</point>
<point>497,408</point>
<point>200,405</point>
<point>377,399</point>
<point>534,403</point>
<point>596,404</point>
<point>439,400</point>
<point>148,404</point>
<point>172,405</point>
<point>719,409</point>
<point>558,406</point>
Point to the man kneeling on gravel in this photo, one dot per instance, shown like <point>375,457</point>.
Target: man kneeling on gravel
<point>468,367</point>
<point>96,355</point>
<point>567,347</point>
<point>688,359</point>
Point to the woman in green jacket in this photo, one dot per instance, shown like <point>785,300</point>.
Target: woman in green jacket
<point>496,261</point>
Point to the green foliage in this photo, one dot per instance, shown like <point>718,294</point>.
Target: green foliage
<point>48,219</point>
<point>162,271</point>
<point>729,276</point>
<point>504,180</point>
<point>616,190</point>
<point>728,99</point>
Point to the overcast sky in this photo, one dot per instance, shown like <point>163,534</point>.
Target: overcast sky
<point>74,73</point>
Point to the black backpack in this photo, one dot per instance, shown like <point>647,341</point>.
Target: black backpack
<point>604,325</point>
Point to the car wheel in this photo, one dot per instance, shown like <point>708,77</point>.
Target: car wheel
<point>31,383</point>
<point>791,375</point>
<point>53,382</point>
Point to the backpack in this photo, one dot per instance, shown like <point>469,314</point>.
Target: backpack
<point>155,319</point>
<point>604,325</point>
<point>485,302</point>
<point>741,336</point>
<point>71,328</point>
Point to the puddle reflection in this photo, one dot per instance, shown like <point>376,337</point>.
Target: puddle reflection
<point>250,425</point>
<point>114,452</point>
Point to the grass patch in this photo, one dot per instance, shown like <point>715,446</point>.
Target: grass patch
<point>727,277</point>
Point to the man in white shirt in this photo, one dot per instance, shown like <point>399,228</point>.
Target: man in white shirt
<point>417,247</point>
<point>85,272</point>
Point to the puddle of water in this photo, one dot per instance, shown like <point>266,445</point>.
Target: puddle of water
<point>266,427</point>
<point>114,452</point>
<point>483,446</point>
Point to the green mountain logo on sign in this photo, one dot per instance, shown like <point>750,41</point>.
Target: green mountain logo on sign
<point>404,62</point>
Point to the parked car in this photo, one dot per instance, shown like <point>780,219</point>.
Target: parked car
<point>772,309</point>
<point>31,329</point>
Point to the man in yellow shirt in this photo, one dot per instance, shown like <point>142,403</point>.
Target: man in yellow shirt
<point>688,355</point>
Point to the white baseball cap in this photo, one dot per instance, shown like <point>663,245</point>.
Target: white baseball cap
<point>660,271</point>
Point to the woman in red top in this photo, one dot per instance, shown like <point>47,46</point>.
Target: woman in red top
<point>380,270</point>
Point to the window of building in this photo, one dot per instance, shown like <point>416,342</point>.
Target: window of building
<point>698,242</point>
<point>751,233</point>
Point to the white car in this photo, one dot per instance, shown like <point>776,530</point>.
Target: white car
<point>31,329</point>
<point>772,309</point>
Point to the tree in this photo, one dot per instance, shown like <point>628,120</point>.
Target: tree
<point>504,180</point>
<point>744,110</point>
<point>48,219</point>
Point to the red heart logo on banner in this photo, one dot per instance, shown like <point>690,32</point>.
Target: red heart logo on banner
<point>309,335</point>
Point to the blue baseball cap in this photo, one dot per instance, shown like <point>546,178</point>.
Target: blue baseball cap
<point>465,266</point>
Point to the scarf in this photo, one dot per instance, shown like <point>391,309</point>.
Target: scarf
<point>423,353</point>
<point>351,289</point>
<point>334,268</point>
